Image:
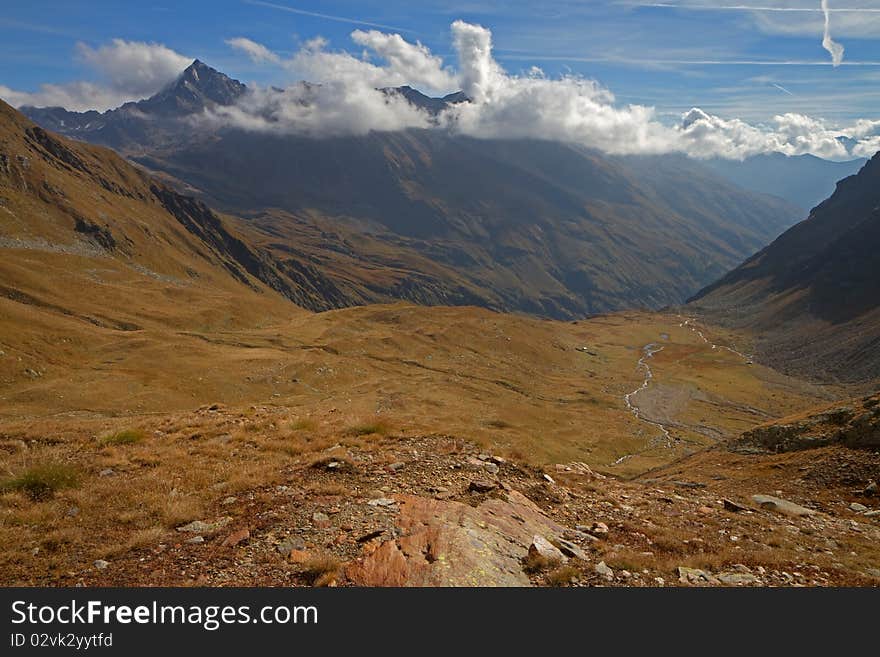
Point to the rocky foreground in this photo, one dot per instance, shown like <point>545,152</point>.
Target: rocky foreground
<point>437,512</point>
<point>383,509</point>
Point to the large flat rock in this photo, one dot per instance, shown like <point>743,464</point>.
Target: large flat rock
<point>447,543</point>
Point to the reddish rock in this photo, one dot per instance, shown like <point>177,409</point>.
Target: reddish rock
<point>446,543</point>
<point>299,556</point>
<point>236,537</point>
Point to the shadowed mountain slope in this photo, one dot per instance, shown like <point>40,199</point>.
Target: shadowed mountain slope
<point>812,294</point>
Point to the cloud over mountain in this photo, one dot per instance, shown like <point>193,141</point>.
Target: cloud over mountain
<point>347,99</point>
<point>341,92</point>
<point>126,70</point>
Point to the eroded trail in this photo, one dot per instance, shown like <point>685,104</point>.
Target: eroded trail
<point>686,323</point>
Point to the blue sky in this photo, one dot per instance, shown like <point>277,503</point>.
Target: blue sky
<point>641,53</point>
<point>737,60</point>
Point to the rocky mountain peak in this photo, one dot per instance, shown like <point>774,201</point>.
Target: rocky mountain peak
<point>197,87</point>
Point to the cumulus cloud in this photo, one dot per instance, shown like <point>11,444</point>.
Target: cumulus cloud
<point>319,110</point>
<point>77,96</point>
<point>126,70</point>
<point>704,135</point>
<point>135,67</point>
<point>410,61</point>
<point>257,52</point>
<point>347,99</point>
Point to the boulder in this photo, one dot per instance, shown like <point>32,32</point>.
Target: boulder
<point>782,506</point>
<point>447,543</point>
<point>543,548</point>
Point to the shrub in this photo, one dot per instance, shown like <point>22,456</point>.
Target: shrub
<point>321,570</point>
<point>379,427</point>
<point>562,576</point>
<point>40,482</point>
<point>124,437</point>
<point>536,563</point>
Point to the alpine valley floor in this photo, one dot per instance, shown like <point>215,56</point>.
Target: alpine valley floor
<point>378,445</point>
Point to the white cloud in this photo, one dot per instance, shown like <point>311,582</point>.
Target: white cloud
<point>569,109</point>
<point>834,49</point>
<point>346,100</point>
<point>322,110</point>
<point>126,70</point>
<point>257,52</point>
<point>77,96</point>
<point>407,60</point>
<point>135,67</point>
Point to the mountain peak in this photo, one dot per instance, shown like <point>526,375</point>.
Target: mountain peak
<point>197,87</point>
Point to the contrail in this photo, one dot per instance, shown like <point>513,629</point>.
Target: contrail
<point>328,17</point>
<point>698,7</point>
<point>781,88</point>
<point>833,48</point>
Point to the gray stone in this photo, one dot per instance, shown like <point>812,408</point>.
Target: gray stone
<point>542,547</point>
<point>571,550</point>
<point>737,579</point>
<point>695,576</point>
<point>490,467</point>
<point>382,501</point>
<point>599,528</point>
<point>871,489</point>
<point>603,570</point>
<point>858,508</point>
<point>100,564</point>
<point>782,506</point>
<point>196,540</point>
<point>106,472</point>
<point>203,527</point>
<point>291,543</point>
<point>578,535</point>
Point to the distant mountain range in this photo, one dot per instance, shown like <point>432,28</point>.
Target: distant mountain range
<point>812,296</point>
<point>804,180</point>
<point>423,215</point>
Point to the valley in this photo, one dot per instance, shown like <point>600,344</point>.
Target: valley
<point>433,360</point>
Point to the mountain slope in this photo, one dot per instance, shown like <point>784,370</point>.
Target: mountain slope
<point>804,180</point>
<point>427,216</point>
<point>534,226</point>
<point>812,294</point>
<point>76,218</point>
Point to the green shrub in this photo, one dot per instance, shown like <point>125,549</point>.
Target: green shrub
<point>40,482</point>
<point>124,437</point>
<point>379,427</point>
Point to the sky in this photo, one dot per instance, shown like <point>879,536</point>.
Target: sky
<point>743,63</point>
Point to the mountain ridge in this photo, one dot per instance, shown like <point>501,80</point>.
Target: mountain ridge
<point>811,294</point>
<point>517,225</point>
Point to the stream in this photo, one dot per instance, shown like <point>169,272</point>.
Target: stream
<point>648,352</point>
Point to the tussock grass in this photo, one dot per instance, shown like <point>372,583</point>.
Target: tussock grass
<point>537,563</point>
<point>42,481</point>
<point>379,427</point>
<point>321,570</point>
<point>124,437</point>
<point>562,576</point>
